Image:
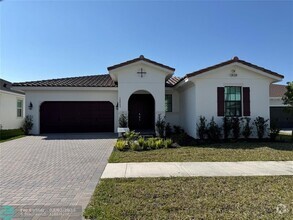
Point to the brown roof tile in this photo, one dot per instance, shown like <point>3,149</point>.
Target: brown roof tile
<point>172,81</point>
<point>234,60</point>
<point>82,81</point>
<point>141,57</point>
<point>6,86</point>
<point>277,90</point>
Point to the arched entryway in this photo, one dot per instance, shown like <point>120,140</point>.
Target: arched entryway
<point>141,112</point>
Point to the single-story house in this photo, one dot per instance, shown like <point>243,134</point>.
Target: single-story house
<point>11,106</point>
<point>143,89</point>
<point>278,114</point>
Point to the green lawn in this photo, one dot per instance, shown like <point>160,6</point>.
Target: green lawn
<point>241,151</point>
<point>193,198</point>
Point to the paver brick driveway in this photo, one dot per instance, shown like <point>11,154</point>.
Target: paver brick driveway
<point>55,169</point>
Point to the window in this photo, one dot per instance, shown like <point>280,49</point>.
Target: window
<point>168,103</point>
<point>232,101</point>
<point>19,108</point>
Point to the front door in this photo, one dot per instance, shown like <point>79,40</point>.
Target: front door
<point>141,114</point>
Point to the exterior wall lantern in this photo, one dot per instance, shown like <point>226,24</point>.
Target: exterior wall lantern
<point>30,106</point>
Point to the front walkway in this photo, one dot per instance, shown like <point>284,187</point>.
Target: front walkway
<point>55,169</point>
<point>177,169</point>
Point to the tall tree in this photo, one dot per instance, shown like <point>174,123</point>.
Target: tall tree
<point>288,96</point>
<point>288,99</point>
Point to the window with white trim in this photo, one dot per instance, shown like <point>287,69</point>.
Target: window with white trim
<point>19,110</point>
<point>233,101</point>
<point>168,103</point>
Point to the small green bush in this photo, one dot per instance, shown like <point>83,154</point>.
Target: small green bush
<point>123,122</point>
<point>235,127</point>
<point>261,126</point>
<point>214,131</point>
<point>141,141</point>
<point>202,128</point>
<point>227,127</point>
<point>27,124</point>
<point>151,143</point>
<point>178,129</point>
<point>247,129</point>
<point>168,143</point>
<point>134,145</point>
<point>121,145</point>
<point>159,143</point>
<point>161,125</point>
<point>274,130</point>
<point>130,136</point>
<point>168,130</point>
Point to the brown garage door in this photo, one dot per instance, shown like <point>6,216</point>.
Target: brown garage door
<point>56,117</point>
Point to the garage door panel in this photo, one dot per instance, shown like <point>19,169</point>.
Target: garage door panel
<point>281,117</point>
<point>77,117</point>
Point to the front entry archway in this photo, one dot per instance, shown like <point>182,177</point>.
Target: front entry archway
<point>141,112</point>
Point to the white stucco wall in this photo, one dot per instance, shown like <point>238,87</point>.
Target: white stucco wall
<point>130,82</point>
<point>8,110</point>
<point>206,94</point>
<point>173,117</point>
<point>67,94</point>
<point>187,109</point>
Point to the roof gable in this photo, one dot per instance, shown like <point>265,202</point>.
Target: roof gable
<point>234,60</point>
<point>140,58</point>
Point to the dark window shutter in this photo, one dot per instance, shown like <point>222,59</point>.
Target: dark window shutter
<point>220,92</point>
<point>246,101</point>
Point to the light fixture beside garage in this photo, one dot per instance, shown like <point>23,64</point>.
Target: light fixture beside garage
<point>117,106</point>
<point>30,106</point>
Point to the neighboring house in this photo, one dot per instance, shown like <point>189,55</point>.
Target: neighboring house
<point>143,89</point>
<point>11,106</point>
<point>278,113</point>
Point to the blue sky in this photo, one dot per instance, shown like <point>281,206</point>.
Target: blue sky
<point>53,39</point>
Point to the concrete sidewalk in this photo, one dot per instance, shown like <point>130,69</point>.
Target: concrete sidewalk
<point>176,169</point>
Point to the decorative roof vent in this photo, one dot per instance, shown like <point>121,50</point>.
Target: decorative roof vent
<point>235,58</point>
<point>141,57</point>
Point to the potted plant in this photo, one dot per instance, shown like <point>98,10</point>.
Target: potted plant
<point>123,124</point>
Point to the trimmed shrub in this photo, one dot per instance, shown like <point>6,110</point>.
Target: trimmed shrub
<point>121,145</point>
<point>247,129</point>
<point>274,130</point>
<point>227,127</point>
<point>10,133</point>
<point>261,126</point>
<point>168,130</point>
<point>141,141</point>
<point>168,143</point>
<point>159,143</point>
<point>134,145</point>
<point>235,127</point>
<point>130,136</point>
<point>151,143</point>
<point>178,129</point>
<point>27,124</point>
<point>202,128</point>
<point>123,121</point>
<point>161,125</point>
<point>214,131</point>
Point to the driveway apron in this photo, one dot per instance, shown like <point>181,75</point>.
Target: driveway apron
<point>54,169</point>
